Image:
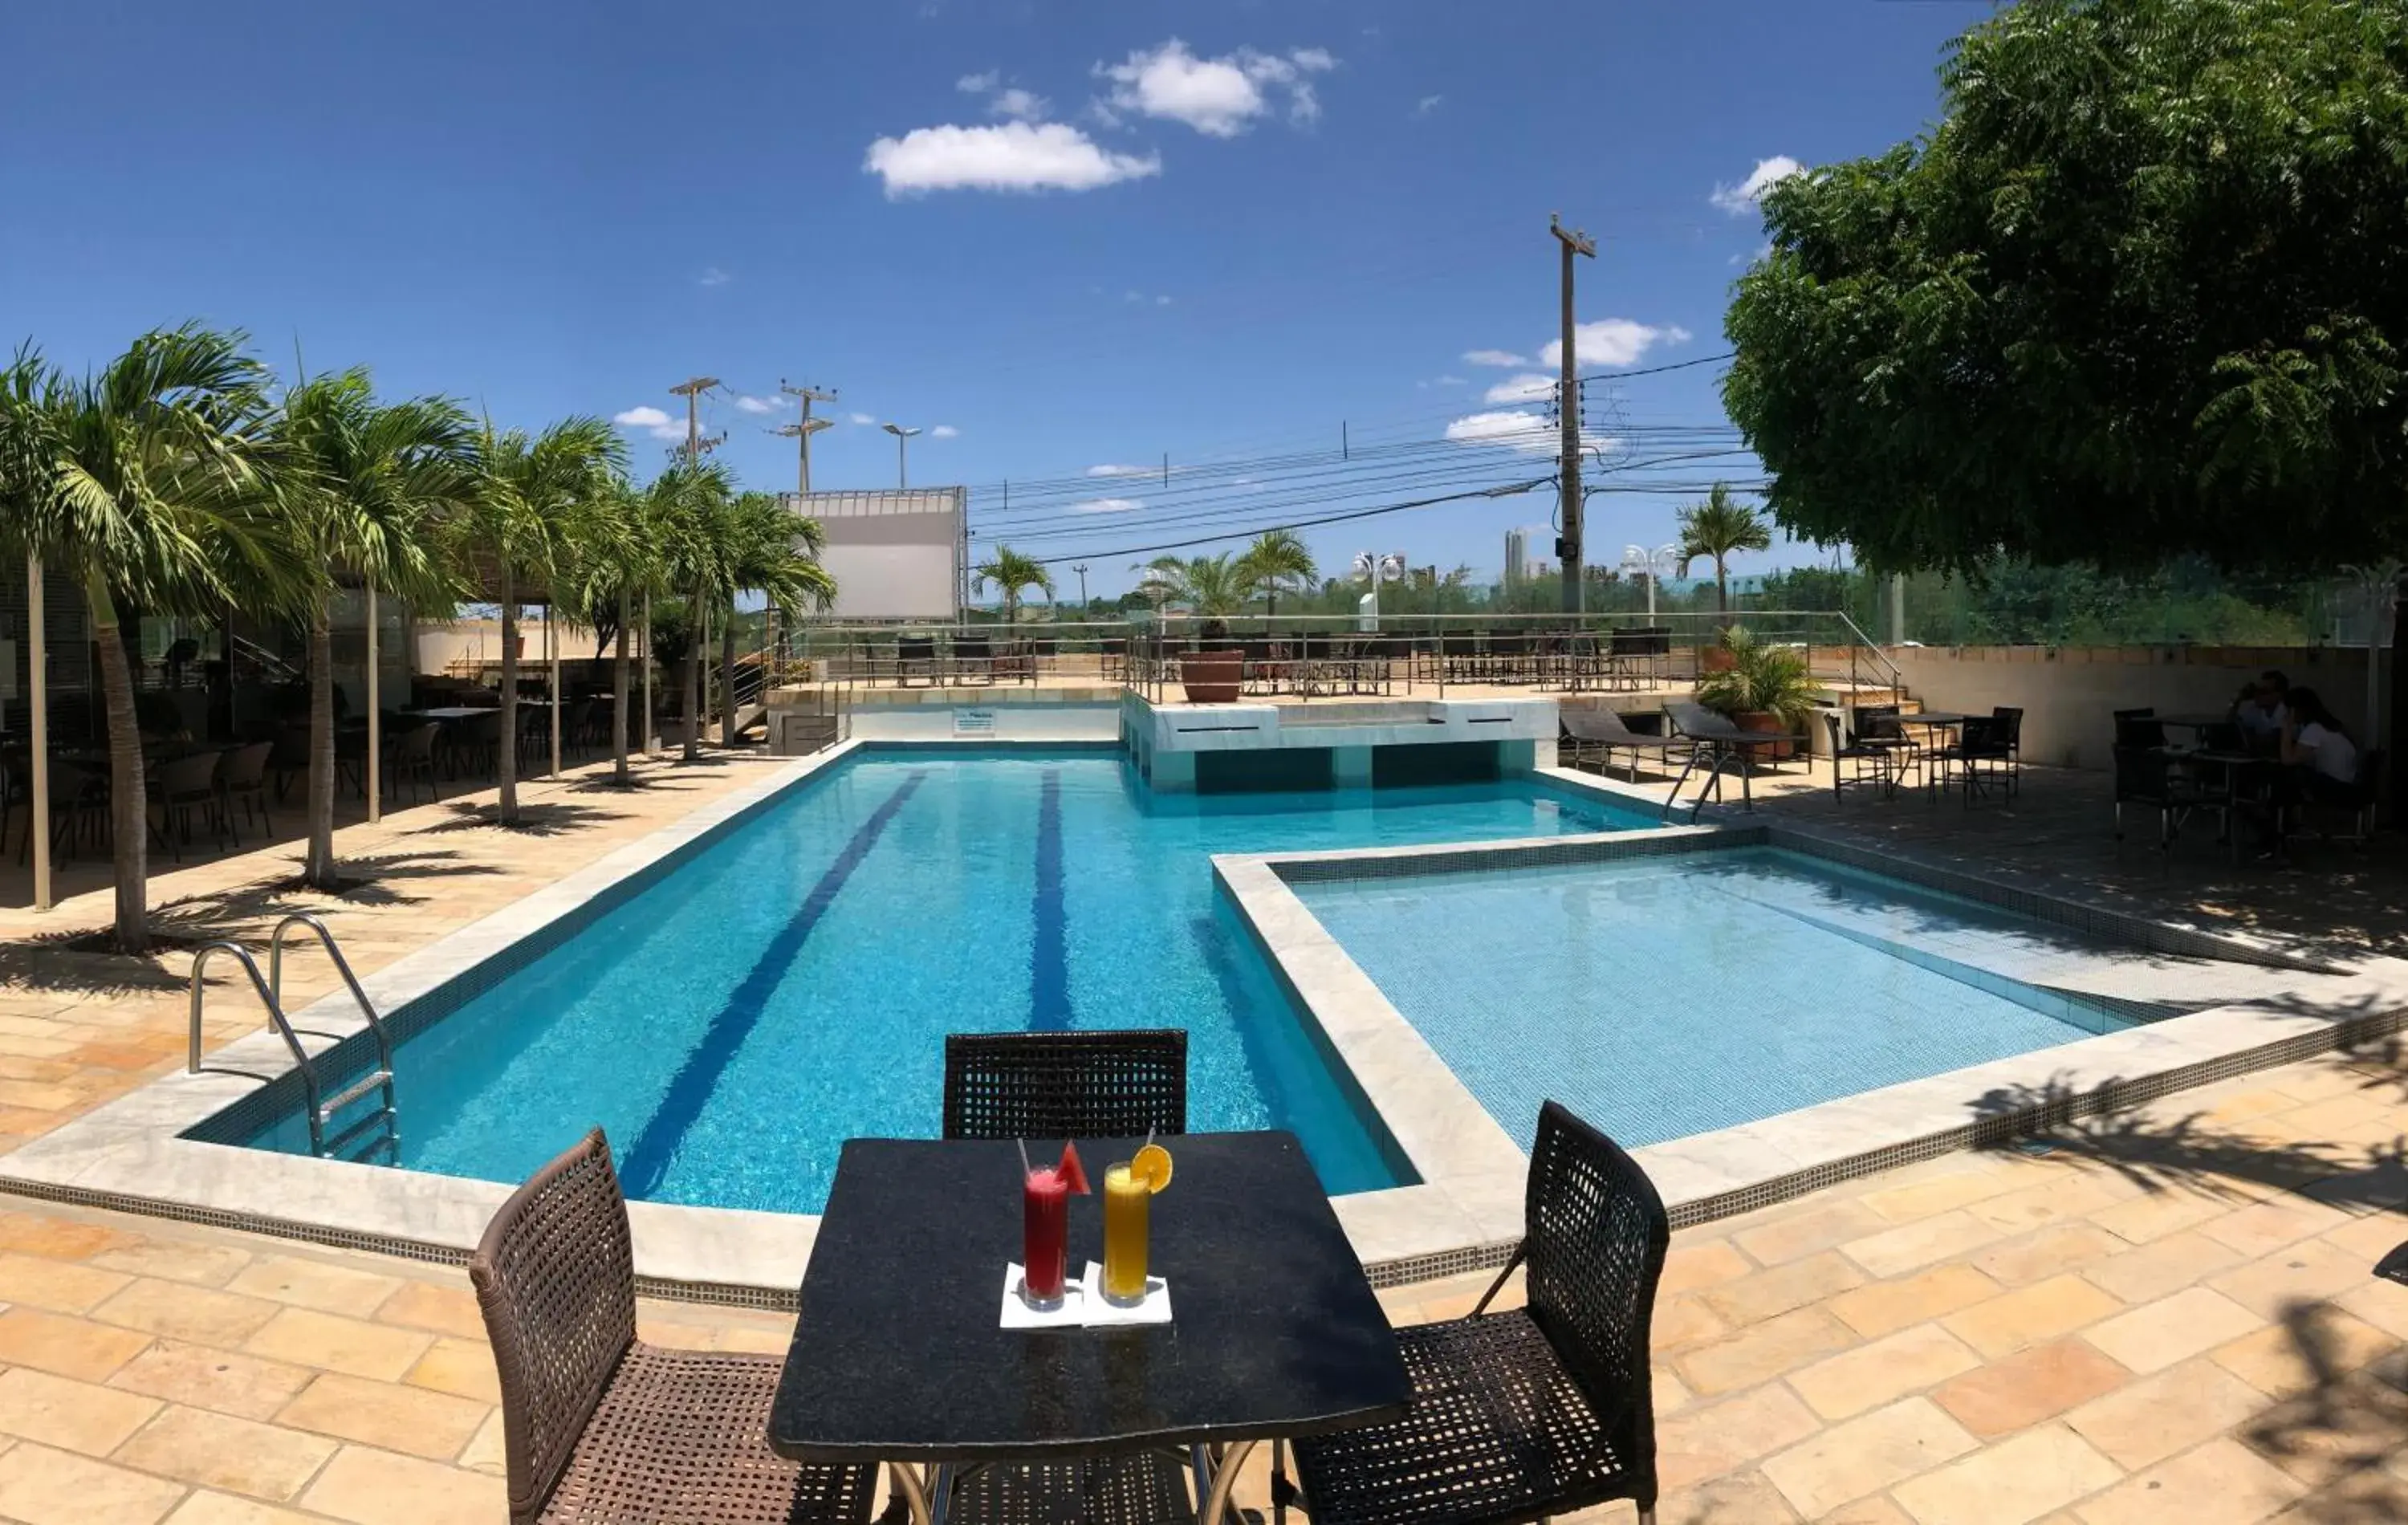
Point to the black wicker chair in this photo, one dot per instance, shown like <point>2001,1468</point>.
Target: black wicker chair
<point>1066,1085</point>
<point>599,1427</point>
<point>1534,1412</point>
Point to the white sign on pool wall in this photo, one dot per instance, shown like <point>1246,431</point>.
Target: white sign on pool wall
<point>974,723</point>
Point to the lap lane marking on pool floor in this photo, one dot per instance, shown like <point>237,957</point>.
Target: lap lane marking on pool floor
<point>647,1161</point>
<point>1049,953</point>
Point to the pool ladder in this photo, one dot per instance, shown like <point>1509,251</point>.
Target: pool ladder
<point>377,1130</point>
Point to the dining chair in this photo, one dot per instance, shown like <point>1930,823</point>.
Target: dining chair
<point>410,757</point>
<point>181,786</point>
<point>599,1428</point>
<point>244,777</point>
<point>1066,1085</point>
<point>1528,1412</point>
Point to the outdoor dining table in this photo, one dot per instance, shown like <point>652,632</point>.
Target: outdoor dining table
<point>443,712</point>
<point>897,1356</point>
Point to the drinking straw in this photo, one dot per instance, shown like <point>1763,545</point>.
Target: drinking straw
<point>1025,1168</point>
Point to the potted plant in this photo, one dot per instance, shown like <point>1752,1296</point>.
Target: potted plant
<point>1760,687</point>
<point>1214,588</point>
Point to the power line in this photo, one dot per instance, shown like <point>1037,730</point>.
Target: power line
<point>1506,490</point>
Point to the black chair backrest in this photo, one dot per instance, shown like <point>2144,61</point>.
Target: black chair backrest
<point>191,776</point>
<point>555,1278</point>
<point>1594,1237</point>
<point>2225,737</point>
<point>2138,729</point>
<point>977,650</point>
<point>915,649</point>
<point>1831,720</point>
<point>246,766</point>
<point>1983,733</point>
<point>1066,1085</point>
<point>2011,724</point>
<point>1697,720</point>
<point>1603,724</point>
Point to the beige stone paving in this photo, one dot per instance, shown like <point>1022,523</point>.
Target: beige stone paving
<point>2165,1316</point>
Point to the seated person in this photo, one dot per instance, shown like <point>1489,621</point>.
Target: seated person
<point>2262,709</point>
<point>2317,751</point>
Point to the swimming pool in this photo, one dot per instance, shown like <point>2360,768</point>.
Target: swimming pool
<point>789,985</point>
<point>1669,995</point>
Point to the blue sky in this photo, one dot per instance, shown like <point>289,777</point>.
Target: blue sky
<point>1074,235</point>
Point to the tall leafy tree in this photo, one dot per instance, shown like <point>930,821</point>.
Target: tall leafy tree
<point>694,503</point>
<point>1277,559</point>
<point>365,488</point>
<point>2137,294</point>
<point>144,482</point>
<point>1009,572</point>
<point>1718,529</point>
<point>515,525</point>
<point>1214,587</point>
<point>616,558</point>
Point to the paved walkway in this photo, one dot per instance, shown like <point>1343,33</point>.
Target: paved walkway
<point>2165,1316</point>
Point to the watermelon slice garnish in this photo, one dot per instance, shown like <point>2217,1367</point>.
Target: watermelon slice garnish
<point>1073,1173</point>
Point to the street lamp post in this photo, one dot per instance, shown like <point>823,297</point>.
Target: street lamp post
<point>902,466</point>
<point>1638,561</point>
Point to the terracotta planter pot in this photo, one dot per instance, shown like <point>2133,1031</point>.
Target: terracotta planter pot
<point>1766,722</point>
<point>1715,659</point>
<point>1212,677</point>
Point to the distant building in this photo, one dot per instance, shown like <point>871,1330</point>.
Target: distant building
<point>1517,549</point>
<point>895,554</point>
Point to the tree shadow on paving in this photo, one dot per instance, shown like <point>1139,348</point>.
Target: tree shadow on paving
<point>549,818</point>
<point>369,881</point>
<point>2158,1150</point>
<point>2345,1432</point>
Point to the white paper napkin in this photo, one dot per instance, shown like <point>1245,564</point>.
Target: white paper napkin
<point>1156,1309</point>
<point>1017,1314</point>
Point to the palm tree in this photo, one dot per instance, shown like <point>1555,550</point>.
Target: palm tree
<point>694,502</point>
<point>1277,559</point>
<point>143,481</point>
<point>516,520</point>
<point>773,552</point>
<point>365,488</point>
<point>615,556</point>
<point>1716,529</point>
<point>1012,571</point>
<point>1214,587</point>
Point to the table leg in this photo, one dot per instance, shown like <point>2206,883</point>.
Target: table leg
<point>915,1493</point>
<point>1224,1482</point>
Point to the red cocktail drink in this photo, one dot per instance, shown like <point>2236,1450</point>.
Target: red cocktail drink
<point>1045,1235</point>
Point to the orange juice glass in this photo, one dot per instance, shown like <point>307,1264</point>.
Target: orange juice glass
<point>1127,1210</point>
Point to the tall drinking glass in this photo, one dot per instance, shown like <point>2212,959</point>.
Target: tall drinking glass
<point>1045,1236</point>
<point>1127,1214</point>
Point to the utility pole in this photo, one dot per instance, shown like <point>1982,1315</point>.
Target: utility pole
<point>1081,570</point>
<point>1568,548</point>
<point>803,430</point>
<point>691,391</point>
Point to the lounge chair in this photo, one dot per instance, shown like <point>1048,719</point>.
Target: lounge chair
<point>1719,741</point>
<point>1600,733</point>
<point>1532,1412</point>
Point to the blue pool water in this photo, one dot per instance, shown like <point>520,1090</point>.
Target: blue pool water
<point>790,985</point>
<point>1663,996</point>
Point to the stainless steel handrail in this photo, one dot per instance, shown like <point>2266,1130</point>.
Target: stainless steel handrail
<point>275,1018</point>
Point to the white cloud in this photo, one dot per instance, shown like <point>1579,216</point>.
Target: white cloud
<point>863,418</point>
<point>944,431</point>
<point>713,276</point>
<point>1219,97</point>
<point>1427,103</point>
<point>1493,357</point>
<point>979,84</point>
<point>1613,341</point>
<point>652,421</point>
<point>1108,505</point>
<point>1161,301</point>
<point>1014,156</point>
<point>1448,380</point>
<point>1120,471</point>
<point>1741,198</point>
<point>1527,387</point>
<point>1018,104</point>
<point>762,405</point>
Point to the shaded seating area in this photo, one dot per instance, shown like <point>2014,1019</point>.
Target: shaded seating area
<point>1597,735</point>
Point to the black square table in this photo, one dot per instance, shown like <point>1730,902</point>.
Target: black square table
<point>897,1358</point>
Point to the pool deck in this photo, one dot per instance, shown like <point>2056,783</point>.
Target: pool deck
<point>2167,1317</point>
